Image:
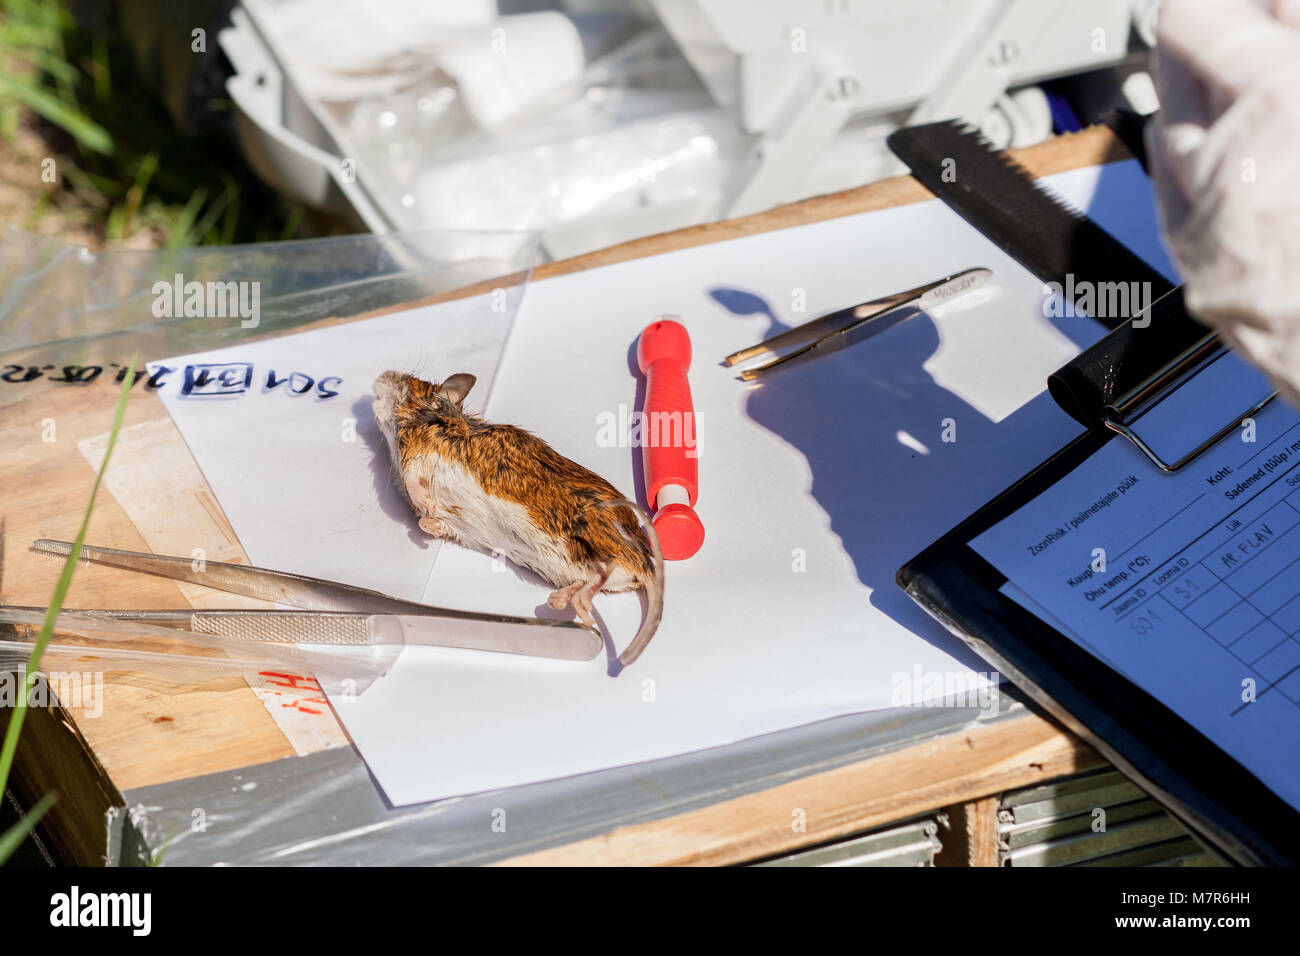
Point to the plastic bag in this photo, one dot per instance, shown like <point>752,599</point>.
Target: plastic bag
<point>70,322</point>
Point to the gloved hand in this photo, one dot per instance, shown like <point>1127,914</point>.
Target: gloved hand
<point>1225,156</point>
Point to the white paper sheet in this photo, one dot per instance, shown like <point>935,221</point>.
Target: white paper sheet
<point>815,486</point>
<point>1188,584</point>
<point>304,477</point>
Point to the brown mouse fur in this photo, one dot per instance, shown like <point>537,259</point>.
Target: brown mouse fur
<point>502,489</point>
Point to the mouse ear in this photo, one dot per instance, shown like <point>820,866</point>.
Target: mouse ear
<point>457,387</point>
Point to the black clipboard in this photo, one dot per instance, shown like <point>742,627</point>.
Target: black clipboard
<point>1217,798</point>
<point>1147,356</point>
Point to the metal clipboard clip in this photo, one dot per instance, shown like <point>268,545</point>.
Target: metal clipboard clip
<point>1133,371</point>
<point>1122,414</point>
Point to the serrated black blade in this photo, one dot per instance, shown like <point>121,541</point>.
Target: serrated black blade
<point>1028,222</point>
<point>1053,240</point>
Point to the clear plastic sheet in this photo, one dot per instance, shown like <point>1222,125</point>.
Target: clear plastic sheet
<point>60,303</point>
<point>325,810</point>
<point>70,321</point>
<point>638,129</point>
<point>176,655</point>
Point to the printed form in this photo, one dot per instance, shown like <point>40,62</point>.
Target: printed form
<point>1187,583</point>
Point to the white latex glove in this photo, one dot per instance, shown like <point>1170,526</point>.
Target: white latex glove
<point>1225,155</point>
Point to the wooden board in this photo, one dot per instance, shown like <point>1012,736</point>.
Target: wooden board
<point>972,837</point>
<point>146,736</point>
<point>836,804</point>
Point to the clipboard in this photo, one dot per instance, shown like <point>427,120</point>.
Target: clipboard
<point>1210,792</point>
<point>1109,388</point>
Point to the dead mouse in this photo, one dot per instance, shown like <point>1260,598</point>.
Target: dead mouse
<point>500,489</point>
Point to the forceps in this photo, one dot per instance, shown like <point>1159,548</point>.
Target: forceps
<point>839,330</point>
<point>333,613</point>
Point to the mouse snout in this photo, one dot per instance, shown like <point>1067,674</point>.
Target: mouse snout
<point>390,381</point>
<point>390,392</point>
<point>391,389</point>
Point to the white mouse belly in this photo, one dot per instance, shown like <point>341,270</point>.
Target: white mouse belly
<point>497,526</point>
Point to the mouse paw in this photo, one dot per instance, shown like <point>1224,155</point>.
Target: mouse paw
<point>435,527</point>
<point>561,598</point>
<point>579,595</point>
<point>582,599</point>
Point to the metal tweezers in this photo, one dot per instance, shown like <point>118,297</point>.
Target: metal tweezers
<point>839,330</point>
<point>334,614</point>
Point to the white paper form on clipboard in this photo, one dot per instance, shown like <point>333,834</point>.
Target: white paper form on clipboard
<point>1187,583</point>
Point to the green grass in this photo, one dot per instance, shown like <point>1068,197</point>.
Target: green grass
<point>122,167</point>
<point>118,154</point>
<point>13,837</point>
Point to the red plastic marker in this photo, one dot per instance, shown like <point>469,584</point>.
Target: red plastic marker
<point>669,452</point>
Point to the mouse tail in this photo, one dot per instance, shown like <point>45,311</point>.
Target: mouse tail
<point>654,587</point>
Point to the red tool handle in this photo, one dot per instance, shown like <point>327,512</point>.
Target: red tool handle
<point>668,449</point>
